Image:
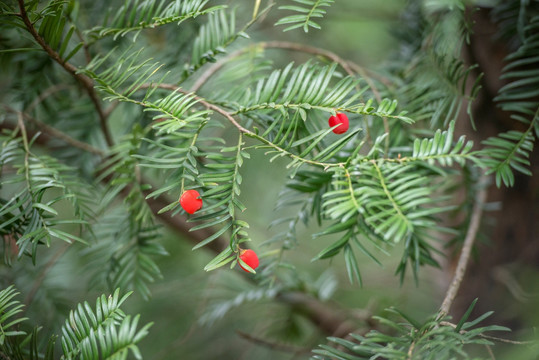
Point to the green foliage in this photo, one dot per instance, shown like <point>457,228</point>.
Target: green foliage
<point>223,188</point>
<point>442,150</point>
<point>382,203</point>
<point>141,14</point>
<point>219,309</point>
<point>520,93</point>
<point>212,38</point>
<point>509,151</point>
<point>310,87</point>
<point>15,343</point>
<point>40,183</point>
<point>9,308</point>
<point>52,23</point>
<point>435,338</point>
<point>388,181</point>
<point>306,11</point>
<point>432,81</point>
<point>127,242</point>
<point>104,333</point>
<point>123,81</point>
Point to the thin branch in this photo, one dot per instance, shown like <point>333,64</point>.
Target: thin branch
<point>410,351</point>
<point>272,345</point>
<point>493,338</point>
<point>475,221</point>
<point>324,315</point>
<point>50,264</point>
<point>348,66</point>
<point>277,45</point>
<point>45,94</point>
<point>489,350</point>
<point>86,82</point>
<point>57,133</point>
<point>233,121</point>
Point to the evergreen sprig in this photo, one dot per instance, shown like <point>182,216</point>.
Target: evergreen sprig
<point>433,339</point>
<point>53,24</point>
<point>306,11</point>
<point>223,183</point>
<point>134,16</point>
<point>212,39</point>
<point>519,95</point>
<point>130,262</point>
<point>16,343</point>
<point>103,333</point>
<point>9,308</point>
<point>41,183</point>
<point>509,151</point>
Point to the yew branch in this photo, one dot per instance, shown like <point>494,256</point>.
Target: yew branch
<point>84,80</point>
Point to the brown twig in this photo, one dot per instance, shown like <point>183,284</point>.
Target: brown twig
<point>57,133</point>
<point>475,221</point>
<point>273,345</point>
<point>45,94</point>
<point>273,44</point>
<point>230,117</point>
<point>206,104</point>
<point>489,350</point>
<point>50,264</point>
<point>86,82</point>
<point>324,315</point>
<point>410,351</point>
<point>350,68</point>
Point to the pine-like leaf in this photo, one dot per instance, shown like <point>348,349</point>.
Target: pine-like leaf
<point>30,215</point>
<point>520,94</point>
<point>222,181</point>
<point>213,37</point>
<point>306,11</point>
<point>9,308</point>
<point>429,340</point>
<point>15,343</point>
<point>509,151</point>
<point>136,15</point>
<point>441,149</point>
<point>102,333</point>
<point>438,88</point>
<point>129,76</point>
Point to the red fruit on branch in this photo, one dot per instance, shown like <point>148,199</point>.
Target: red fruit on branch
<point>341,119</point>
<point>250,258</point>
<point>190,201</point>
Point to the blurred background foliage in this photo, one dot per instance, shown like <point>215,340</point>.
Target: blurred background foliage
<point>221,315</point>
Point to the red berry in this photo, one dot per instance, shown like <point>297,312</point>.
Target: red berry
<point>249,257</point>
<point>341,119</point>
<point>190,201</point>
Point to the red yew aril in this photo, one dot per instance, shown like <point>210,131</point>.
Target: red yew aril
<point>190,201</point>
<point>341,119</point>
<point>250,258</point>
